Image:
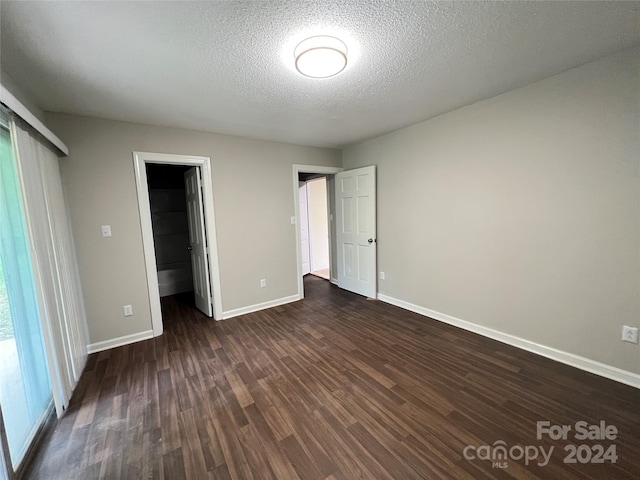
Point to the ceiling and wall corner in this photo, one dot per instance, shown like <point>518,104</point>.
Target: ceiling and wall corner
<point>228,67</point>
<point>26,99</point>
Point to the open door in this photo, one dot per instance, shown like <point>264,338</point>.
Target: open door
<point>304,230</point>
<point>198,241</point>
<point>356,230</point>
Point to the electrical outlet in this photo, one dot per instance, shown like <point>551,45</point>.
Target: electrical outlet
<point>381,275</point>
<point>263,283</point>
<point>128,310</point>
<point>629,334</point>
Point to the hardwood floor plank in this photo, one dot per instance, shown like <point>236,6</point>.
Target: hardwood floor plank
<point>331,387</point>
<point>235,461</point>
<point>366,462</point>
<point>211,449</point>
<point>281,465</point>
<point>194,462</point>
<point>239,389</point>
<point>173,464</point>
<point>303,465</point>
<point>384,453</point>
<point>315,449</point>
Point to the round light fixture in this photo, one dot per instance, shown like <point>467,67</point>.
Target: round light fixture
<point>320,57</point>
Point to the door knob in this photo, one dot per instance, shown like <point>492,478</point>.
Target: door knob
<point>189,248</point>
<point>371,240</point>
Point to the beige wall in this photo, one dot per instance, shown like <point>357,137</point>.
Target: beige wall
<point>521,213</point>
<point>253,206</point>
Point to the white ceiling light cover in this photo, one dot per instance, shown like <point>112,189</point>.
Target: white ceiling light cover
<point>321,56</point>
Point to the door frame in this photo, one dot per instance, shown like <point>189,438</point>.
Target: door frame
<point>321,170</point>
<point>140,160</point>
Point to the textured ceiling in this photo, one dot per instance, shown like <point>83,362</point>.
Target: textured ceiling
<point>228,66</point>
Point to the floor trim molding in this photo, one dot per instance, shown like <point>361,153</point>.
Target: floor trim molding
<point>119,341</point>
<point>259,306</point>
<point>586,364</point>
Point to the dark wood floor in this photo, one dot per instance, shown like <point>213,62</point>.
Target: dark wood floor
<point>335,386</point>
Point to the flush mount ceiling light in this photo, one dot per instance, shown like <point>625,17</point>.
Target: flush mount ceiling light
<point>320,57</point>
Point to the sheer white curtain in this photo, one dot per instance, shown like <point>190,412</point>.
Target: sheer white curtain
<point>56,270</point>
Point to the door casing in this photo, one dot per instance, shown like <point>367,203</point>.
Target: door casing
<point>140,159</point>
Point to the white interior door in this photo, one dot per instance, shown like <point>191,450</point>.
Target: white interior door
<point>304,230</point>
<point>356,230</point>
<point>198,241</point>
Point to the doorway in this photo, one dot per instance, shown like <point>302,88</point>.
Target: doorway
<point>352,227</point>
<point>314,225</point>
<point>328,174</point>
<point>167,200</point>
<point>206,269</point>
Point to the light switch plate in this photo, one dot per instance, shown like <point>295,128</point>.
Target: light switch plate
<point>128,310</point>
<point>106,230</point>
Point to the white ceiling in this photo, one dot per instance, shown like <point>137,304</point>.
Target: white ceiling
<point>228,66</point>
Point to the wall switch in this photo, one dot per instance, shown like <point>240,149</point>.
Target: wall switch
<point>128,310</point>
<point>106,230</point>
<point>381,275</point>
<point>629,334</point>
<point>293,220</point>
<point>263,283</point>
<point>331,217</point>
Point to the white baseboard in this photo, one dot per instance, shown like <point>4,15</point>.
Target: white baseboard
<point>586,364</point>
<point>259,306</point>
<point>334,281</point>
<point>120,341</point>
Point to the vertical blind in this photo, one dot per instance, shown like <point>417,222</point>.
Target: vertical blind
<point>54,262</point>
<point>25,380</point>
